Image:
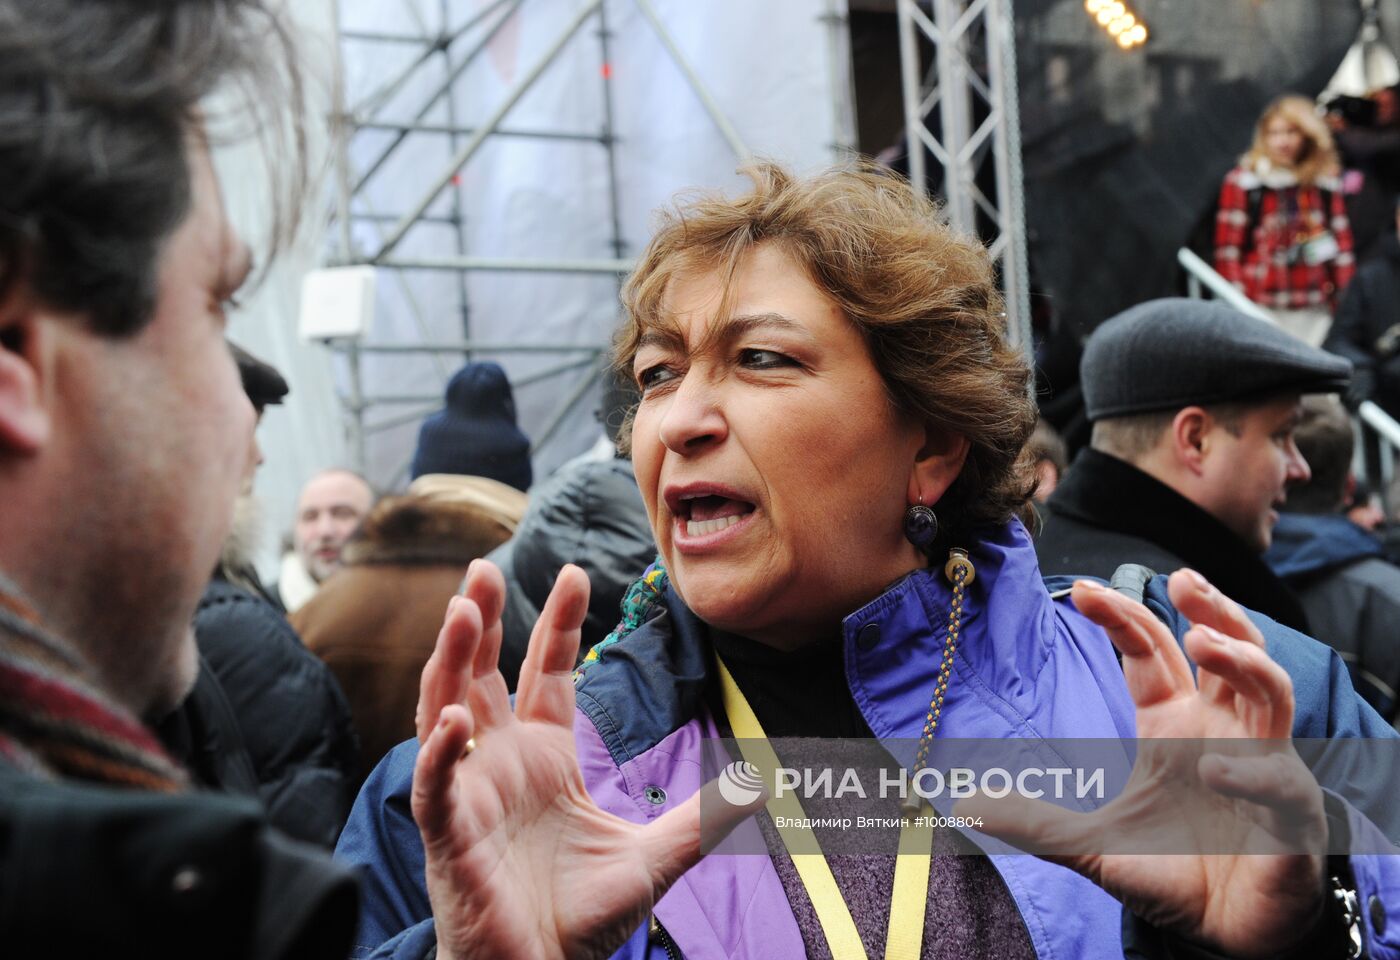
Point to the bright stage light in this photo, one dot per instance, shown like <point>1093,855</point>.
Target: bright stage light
<point>1118,21</point>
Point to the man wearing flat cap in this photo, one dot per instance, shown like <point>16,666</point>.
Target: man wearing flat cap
<point>1193,406</point>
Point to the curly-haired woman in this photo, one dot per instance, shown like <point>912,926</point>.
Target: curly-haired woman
<point>829,445</point>
<point>1281,232</point>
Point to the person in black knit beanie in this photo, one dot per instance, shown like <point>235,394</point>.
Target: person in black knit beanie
<point>475,434</point>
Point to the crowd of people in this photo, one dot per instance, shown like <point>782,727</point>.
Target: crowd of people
<point>473,718</point>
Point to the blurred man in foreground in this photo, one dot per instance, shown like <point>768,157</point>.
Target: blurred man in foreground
<point>124,438</point>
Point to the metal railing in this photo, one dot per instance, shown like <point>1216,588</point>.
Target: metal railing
<point>1370,421</point>
<point>1201,274</point>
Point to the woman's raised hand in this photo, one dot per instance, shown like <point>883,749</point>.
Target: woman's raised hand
<point>1238,832</point>
<point>520,861</point>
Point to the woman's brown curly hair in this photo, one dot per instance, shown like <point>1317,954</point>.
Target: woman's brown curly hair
<point>921,294</point>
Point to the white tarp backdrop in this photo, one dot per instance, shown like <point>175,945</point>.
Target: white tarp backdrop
<point>769,67</point>
<point>306,432</point>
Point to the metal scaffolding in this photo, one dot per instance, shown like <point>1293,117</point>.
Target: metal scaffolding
<point>455,42</point>
<point>454,48</point>
<point>971,87</point>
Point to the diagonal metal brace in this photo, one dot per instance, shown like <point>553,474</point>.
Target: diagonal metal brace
<point>478,138</point>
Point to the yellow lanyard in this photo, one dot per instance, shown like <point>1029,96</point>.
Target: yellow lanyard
<point>904,940</point>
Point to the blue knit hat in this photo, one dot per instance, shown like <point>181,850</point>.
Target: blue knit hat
<point>475,434</point>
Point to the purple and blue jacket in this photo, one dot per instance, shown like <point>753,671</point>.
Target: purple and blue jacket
<point>1027,666</point>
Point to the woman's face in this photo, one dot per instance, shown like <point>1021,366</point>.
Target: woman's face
<point>774,467</point>
<point>1283,141</point>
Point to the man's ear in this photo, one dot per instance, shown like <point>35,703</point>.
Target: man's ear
<point>24,417</point>
<point>937,465</point>
<point>1190,438</point>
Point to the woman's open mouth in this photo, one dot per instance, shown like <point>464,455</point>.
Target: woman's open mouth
<point>712,514</point>
<point>703,515</point>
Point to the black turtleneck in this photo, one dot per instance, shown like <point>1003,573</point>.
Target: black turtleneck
<point>797,693</point>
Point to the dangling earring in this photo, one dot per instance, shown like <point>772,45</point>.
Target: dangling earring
<point>920,526</point>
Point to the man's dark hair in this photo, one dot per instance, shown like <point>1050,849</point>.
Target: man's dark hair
<point>1325,439</point>
<point>98,99</point>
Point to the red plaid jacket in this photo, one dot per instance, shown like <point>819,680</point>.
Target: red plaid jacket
<point>1262,270</point>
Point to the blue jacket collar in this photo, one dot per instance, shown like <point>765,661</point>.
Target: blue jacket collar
<point>1305,545</point>
<point>1012,636</point>
<point>652,681</point>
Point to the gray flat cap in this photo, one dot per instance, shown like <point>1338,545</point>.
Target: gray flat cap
<point>1168,354</point>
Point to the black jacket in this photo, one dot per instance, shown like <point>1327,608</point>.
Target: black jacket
<point>94,871</point>
<point>265,706</point>
<point>1366,329</point>
<point>1351,595</point>
<point>1107,512</point>
<point>589,513</point>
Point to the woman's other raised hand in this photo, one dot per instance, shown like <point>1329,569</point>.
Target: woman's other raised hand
<point>1222,845</point>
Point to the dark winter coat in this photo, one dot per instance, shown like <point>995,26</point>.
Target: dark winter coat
<point>1366,329</point>
<point>375,621</point>
<point>96,871</point>
<point>589,513</point>
<point>1351,595</point>
<point>1106,513</point>
<point>106,852</point>
<point>264,708</point>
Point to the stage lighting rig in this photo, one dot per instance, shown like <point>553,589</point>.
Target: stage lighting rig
<point>1118,22</point>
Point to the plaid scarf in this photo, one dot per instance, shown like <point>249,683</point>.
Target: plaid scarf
<point>56,723</point>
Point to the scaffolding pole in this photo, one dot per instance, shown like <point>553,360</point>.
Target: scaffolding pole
<point>453,130</point>
<point>835,16</point>
<point>376,100</point>
<point>609,137</point>
<point>507,264</point>
<point>458,217</point>
<point>726,129</point>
